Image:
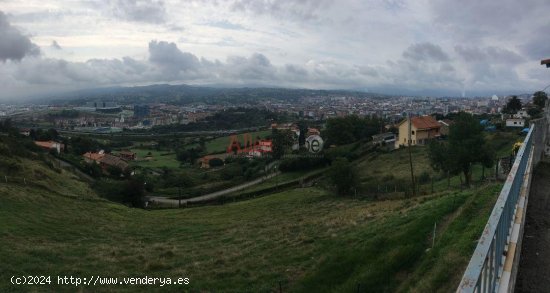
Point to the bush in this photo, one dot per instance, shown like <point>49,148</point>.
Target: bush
<point>215,162</point>
<point>423,178</point>
<point>182,179</point>
<point>343,176</point>
<point>302,163</point>
<point>231,172</point>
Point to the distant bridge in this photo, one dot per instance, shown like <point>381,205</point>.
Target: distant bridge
<point>495,262</point>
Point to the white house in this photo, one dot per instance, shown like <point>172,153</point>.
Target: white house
<point>522,114</point>
<point>515,122</point>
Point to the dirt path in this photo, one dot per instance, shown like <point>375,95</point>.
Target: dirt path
<point>534,268</point>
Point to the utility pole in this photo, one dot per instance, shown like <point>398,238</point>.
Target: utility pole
<point>410,156</point>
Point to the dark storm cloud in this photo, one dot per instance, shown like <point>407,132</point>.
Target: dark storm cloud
<point>13,44</point>
<point>169,57</point>
<point>423,67</point>
<point>538,46</point>
<point>491,54</point>
<point>425,52</point>
<point>257,67</point>
<point>490,67</point>
<point>368,71</point>
<point>56,45</point>
<point>48,71</point>
<point>175,64</point>
<point>148,11</point>
<point>295,70</point>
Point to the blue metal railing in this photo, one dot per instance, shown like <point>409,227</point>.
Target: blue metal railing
<point>486,265</point>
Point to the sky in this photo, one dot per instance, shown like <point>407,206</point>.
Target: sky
<point>420,47</point>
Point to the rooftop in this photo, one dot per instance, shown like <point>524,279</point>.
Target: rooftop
<point>424,122</point>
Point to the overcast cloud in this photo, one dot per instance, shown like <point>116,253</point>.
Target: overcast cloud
<point>391,46</point>
<point>13,44</point>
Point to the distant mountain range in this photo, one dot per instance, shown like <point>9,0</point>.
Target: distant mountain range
<point>183,94</point>
<point>189,93</point>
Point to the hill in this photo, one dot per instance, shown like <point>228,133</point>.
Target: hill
<point>301,240</point>
<point>182,93</point>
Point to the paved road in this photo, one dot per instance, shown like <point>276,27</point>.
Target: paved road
<point>75,170</point>
<point>152,134</point>
<point>534,266</point>
<point>175,202</point>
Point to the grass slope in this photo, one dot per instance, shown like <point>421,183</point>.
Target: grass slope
<point>392,170</point>
<point>307,239</point>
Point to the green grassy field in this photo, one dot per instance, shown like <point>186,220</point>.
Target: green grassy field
<point>220,144</point>
<point>307,240</point>
<point>158,159</point>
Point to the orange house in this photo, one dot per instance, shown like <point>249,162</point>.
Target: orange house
<point>422,130</point>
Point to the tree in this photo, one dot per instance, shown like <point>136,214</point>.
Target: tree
<point>93,169</point>
<point>344,130</point>
<point>188,155</point>
<point>488,158</point>
<point>440,160</point>
<point>180,179</point>
<point>282,139</point>
<point>343,176</point>
<point>534,112</point>
<point>466,147</point>
<point>114,171</point>
<point>134,190</point>
<point>303,131</point>
<point>513,105</point>
<point>539,99</point>
<point>340,131</point>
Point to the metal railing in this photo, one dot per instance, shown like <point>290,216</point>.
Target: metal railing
<point>486,265</point>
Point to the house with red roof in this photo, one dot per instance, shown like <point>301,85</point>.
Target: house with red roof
<point>422,130</point>
<point>50,145</point>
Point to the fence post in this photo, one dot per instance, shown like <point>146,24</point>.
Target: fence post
<point>433,239</point>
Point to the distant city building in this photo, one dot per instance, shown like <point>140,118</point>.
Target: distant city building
<point>105,107</point>
<point>141,111</point>
<point>522,114</point>
<point>25,131</point>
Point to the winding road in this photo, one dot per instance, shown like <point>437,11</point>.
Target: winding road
<point>176,202</point>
